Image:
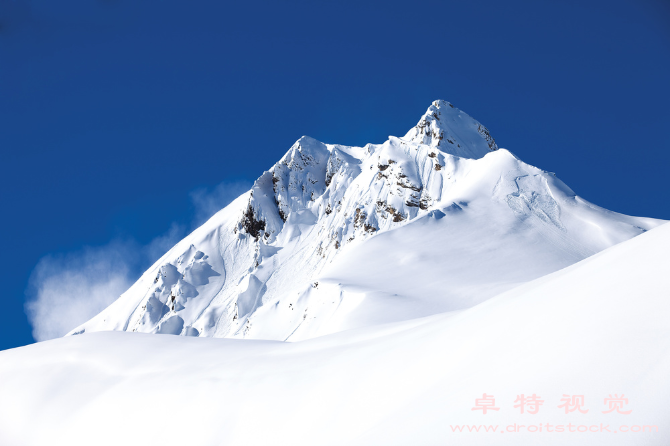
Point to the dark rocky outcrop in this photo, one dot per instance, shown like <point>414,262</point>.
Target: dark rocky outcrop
<point>251,224</point>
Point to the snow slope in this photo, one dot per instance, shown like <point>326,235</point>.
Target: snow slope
<point>596,328</point>
<point>335,237</point>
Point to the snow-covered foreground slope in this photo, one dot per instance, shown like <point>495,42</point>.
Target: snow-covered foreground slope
<point>335,237</point>
<point>598,328</point>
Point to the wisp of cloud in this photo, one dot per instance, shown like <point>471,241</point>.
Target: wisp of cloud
<point>67,290</point>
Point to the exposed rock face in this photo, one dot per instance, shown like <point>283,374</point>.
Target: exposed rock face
<point>250,224</point>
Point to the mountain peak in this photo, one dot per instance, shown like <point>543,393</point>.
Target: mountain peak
<point>452,131</point>
<point>333,237</point>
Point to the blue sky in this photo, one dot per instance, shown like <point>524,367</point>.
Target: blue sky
<point>124,123</point>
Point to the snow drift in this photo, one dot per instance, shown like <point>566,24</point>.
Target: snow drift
<point>597,328</point>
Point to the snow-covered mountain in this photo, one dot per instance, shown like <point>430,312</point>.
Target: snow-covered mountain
<point>335,237</point>
<point>596,329</point>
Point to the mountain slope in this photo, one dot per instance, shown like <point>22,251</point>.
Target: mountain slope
<point>335,237</point>
<point>596,328</point>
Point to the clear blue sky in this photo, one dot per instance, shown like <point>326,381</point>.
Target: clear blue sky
<point>113,112</point>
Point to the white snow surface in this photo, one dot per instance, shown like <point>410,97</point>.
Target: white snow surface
<point>596,328</point>
<point>334,238</point>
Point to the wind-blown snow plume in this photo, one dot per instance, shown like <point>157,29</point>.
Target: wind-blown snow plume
<point>67,290</point>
